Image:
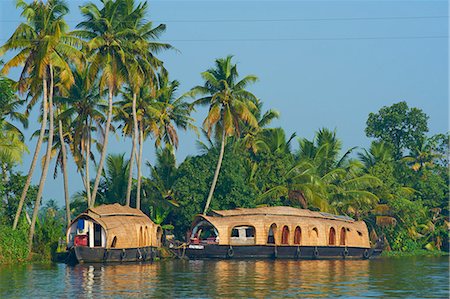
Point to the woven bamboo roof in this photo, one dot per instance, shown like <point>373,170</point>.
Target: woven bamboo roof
<point>125,223</point>
<point>115,210</point>
<point>278,211</point>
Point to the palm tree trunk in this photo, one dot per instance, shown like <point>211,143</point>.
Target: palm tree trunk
<point>105,147</point>
<point>46,164</point>
<point>87,178</point>
<point>216,174</point>
<point>36,153</point>
<point>139,164</point>
<point>64,170</point>
<point>133,149</point>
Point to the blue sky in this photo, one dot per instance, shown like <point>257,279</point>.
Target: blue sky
<point>320,63</point>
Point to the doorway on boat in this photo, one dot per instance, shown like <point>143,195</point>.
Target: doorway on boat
<point>332,237</point>
<point>242,235</point>
<point>297,235</point>
<point>271,234</point>
<point>204,233</point>
<point>342,236</point>
<point>285,235</point>
<point>97,235</point>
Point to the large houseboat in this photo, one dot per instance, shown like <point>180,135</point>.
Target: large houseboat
<point>279,232</point>
<point>112,233</point>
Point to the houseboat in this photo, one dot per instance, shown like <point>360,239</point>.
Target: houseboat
<point>279,232</point>
<point>112,233</point>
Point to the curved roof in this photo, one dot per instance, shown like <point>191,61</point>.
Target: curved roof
<point>278,211</point>
<point>124,223</point>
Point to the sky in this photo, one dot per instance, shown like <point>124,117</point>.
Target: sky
<point>319,63</point>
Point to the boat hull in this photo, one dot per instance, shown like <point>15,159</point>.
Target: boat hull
<point>282,252</point>
<point>82,254</point>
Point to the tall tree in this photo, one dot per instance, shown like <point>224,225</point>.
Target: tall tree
<point>399,125</point>
<point>142,66</point>
<point>43,45</point>
<point>106,32</point>
<point>229,104</point>
<point>84,109</point>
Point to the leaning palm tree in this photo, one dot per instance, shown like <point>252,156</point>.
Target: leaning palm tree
<point>229,105</point>
<point>43,46</point>
<point>106,32</point>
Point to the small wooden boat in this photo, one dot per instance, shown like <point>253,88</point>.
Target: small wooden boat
<point>112,233</point>
<point>279,232</point>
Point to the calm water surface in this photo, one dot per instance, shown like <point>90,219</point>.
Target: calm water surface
<point>416,277</point>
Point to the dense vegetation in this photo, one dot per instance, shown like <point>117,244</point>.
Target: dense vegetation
<point>399,185</point>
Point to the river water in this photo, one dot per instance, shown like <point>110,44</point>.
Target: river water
<point>412,277</point>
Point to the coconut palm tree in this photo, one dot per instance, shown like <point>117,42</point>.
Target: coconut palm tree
<point>323,151</point>
<point>44,45</point>
<point>378,151</point>
<point>174,113</point>
<point>106,31</point>
<point>12,144</point>
<point>141,64</point>
<point>85,112</point>
<point>250,134</point>
<point>229,103</point>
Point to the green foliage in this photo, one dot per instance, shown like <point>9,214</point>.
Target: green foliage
<point>10,191</point>
<point>192,184</point>
<point>13,244</point>
<point>49,229</point>
<point>399,125</point>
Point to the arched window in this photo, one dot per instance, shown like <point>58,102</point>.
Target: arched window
<point>141,237</point>
<point>332,237</point>
<point>285,235</point>
<point>114,242</point>
<point>271,235</point>
<point>158,236</point>
<point>297,235</point>
<point>342,236</point>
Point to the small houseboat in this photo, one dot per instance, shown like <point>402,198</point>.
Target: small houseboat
<point>112,233</point>
<point>279,232</point>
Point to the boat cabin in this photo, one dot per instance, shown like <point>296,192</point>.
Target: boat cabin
<point>113,226</point>
<point>280,226</point>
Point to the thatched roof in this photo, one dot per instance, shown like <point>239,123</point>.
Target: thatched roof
<point>279,211</point>
<point>115,210</point>
<point>125,224</point>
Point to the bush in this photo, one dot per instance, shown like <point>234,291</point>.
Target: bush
<point>13,244</point>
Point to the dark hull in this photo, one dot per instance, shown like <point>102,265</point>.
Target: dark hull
<point>82,254</point>
<point>282,252</point>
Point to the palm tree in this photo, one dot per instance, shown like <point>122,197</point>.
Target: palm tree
<point>160,183</point>
<point>106,32</point>
<point>250,134</point>
<point>173,112</point>
<point>273,140</point>
<point>113,183</point>
<point>323,151</point>
<point>229,105</point>
<point>378,151</point>
<point>12,144</point>
<point>84,110</point>
<point>44,46</point>
<point>141,64</point>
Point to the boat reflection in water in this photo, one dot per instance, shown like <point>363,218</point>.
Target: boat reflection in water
<point>223,278</point>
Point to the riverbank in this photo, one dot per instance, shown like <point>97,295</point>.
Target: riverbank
<point>419,252</point>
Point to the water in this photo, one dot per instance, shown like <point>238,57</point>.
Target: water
<point>415,277</point>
